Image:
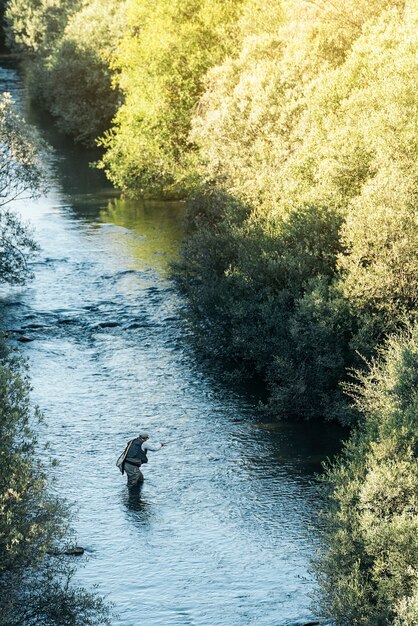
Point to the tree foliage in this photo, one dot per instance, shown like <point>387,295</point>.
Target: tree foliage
<point>35,588</point>
<point>369,572</point>
<point>315,117</point>
<point>22,174</point>
<point>21,152</point>
<point>68,46</point>
<point>161,62</point>
<point>35,25</point>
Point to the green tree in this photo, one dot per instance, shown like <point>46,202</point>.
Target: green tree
<point>74,79</point>
<point>160,65</point>
<point>22,174</point>
<point>35,588</point>
<point>368,573</point>
<point>34,26</point>
<point>67,47</point>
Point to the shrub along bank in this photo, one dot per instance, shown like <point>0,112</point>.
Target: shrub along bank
<point>35,588</point>
<point>305,233</point>
<point>369,573</point>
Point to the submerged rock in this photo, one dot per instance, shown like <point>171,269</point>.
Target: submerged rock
<point>314,622</point>
<point>33,326</point>
<point>70,551</point>
<point>74,551</point>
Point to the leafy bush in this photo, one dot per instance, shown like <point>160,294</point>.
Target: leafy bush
<point>68,48</point>
<point>262,293</point>
<point>369,573</point>
<point>161,62</point>
<point>35,588</point>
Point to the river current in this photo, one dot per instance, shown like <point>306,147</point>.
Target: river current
<point>224,528</point>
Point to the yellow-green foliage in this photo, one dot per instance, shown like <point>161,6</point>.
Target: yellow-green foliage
<point>161,62</point>
<point>263,125</point>
<point>316,111</point>
<point>369,572</point>
<point>380,267</point>
<point>303,114</point>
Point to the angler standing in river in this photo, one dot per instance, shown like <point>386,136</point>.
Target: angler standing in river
<point>134,455</point>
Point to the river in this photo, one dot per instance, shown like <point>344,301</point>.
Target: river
<point>224,527</point>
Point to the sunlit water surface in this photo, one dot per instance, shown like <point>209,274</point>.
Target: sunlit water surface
<point>223,530</point>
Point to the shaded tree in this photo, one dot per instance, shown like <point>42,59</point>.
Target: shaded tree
<point>368,570</point>
<point>22,174</point>
<point>67,47</point>
<point>35,587</point>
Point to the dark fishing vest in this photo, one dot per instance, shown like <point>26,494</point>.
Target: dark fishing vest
<point>136,455</point>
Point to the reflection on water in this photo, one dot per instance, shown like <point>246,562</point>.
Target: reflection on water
<point>154,229</point>
<point>222,530</point>
<point>138,510</point>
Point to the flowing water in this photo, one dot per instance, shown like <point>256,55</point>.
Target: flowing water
<point>224,527</point>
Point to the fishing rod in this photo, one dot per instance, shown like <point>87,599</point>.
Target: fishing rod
<point>180,439</point>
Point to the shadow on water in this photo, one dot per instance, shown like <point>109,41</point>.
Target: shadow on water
<point>85,189</point>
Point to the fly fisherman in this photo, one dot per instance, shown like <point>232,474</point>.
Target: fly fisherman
<point>134,456</point>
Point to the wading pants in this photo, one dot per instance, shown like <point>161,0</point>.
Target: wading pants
<point>134,474</point>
